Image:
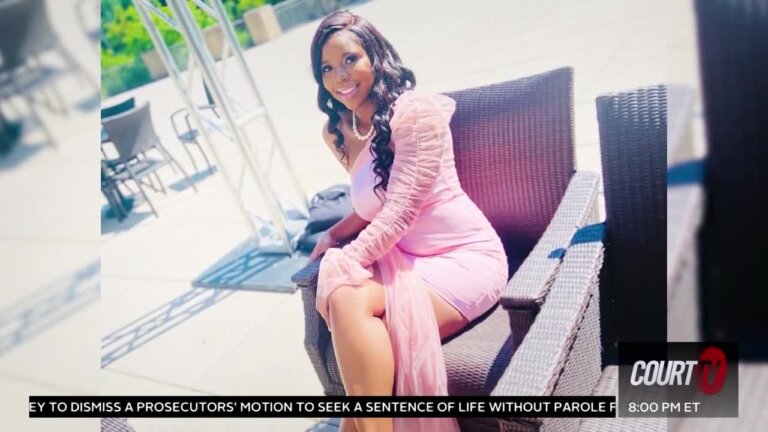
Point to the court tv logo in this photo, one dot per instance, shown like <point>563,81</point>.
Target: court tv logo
<point>709,370</point>
<point>678,380</point>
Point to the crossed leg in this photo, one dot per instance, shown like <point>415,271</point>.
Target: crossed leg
<point>362,346</point>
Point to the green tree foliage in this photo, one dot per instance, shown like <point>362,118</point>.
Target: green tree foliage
<point>124,38</point>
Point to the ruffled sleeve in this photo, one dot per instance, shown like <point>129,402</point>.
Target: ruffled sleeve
<point>420,134</point>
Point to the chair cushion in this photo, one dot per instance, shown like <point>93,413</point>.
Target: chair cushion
<point>189,136</point>
<point>118,108</point>
<point>476,359</point>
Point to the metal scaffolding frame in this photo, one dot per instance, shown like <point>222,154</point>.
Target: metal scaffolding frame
<point>233,117</point>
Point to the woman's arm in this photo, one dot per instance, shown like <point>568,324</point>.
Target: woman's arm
<point>419,127</point>
<point>348,227</point>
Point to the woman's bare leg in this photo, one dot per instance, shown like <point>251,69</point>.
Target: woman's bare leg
<point>362,346</point>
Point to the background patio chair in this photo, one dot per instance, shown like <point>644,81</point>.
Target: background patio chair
<point>132,133</point>
<point>633,138</point>
<point>110,111</point>
<point>43,39</point>
<point>118,205</point>
<point>190,135</point>
<point>514,151</point>
<point>118,108</point>
<point>17,78</point>
<point>734,66</point>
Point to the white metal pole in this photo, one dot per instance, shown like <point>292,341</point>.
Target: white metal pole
<point>170,65</point>
<point>193,35</point>
<point>230,32</point>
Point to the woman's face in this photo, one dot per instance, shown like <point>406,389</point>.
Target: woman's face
<point>346,69</point>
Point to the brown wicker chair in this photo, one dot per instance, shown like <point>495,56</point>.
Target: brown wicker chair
<point>633,138</point>
<point>734,64</point>
<point>513,144</point>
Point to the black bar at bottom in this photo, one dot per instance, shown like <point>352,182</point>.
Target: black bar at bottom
<point>313,406</point>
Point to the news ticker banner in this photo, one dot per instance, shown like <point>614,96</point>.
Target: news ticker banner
<point>326,406</point>
<point>678,379</point>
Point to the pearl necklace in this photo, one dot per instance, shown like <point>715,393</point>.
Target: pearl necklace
<point>358,135</point>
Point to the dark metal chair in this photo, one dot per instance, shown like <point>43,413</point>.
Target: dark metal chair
<point>514,152</point>
<point>43,39</point>
<point>119,206</point>
<point>110,111</point>
<point>190,135</point>
<point>17,77</point>
<point>133,134</point>
<point>118,108</point>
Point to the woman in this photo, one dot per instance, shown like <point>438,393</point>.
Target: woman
<point>426,261</point>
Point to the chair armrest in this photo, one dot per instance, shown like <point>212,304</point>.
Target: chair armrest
<point>560,355</point>
<point>531,282</point>
<point>539,361</point>
<point>308,275</point>
<point>185,111</point>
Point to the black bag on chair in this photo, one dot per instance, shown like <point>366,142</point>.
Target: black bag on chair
<point>326,208</point>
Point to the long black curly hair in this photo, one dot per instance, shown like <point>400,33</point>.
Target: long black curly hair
<point>391,79</point>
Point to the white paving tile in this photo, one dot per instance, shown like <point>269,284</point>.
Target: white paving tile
<point>14,408</point>
<point>270,360</point>
<point>170,252</point>
<point>114,382</point>
<point>59,203</point>
<point>50,312</point>
<point>174,334</point>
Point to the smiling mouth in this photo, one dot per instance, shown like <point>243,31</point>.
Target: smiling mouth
<point>348,92</point>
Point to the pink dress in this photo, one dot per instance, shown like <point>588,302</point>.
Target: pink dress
<point>426,234</point>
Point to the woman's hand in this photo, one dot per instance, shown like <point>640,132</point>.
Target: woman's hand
<point>325,242</point>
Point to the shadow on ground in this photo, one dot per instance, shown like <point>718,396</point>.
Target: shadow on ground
<point>46,307</point>
<point>155,323</point>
